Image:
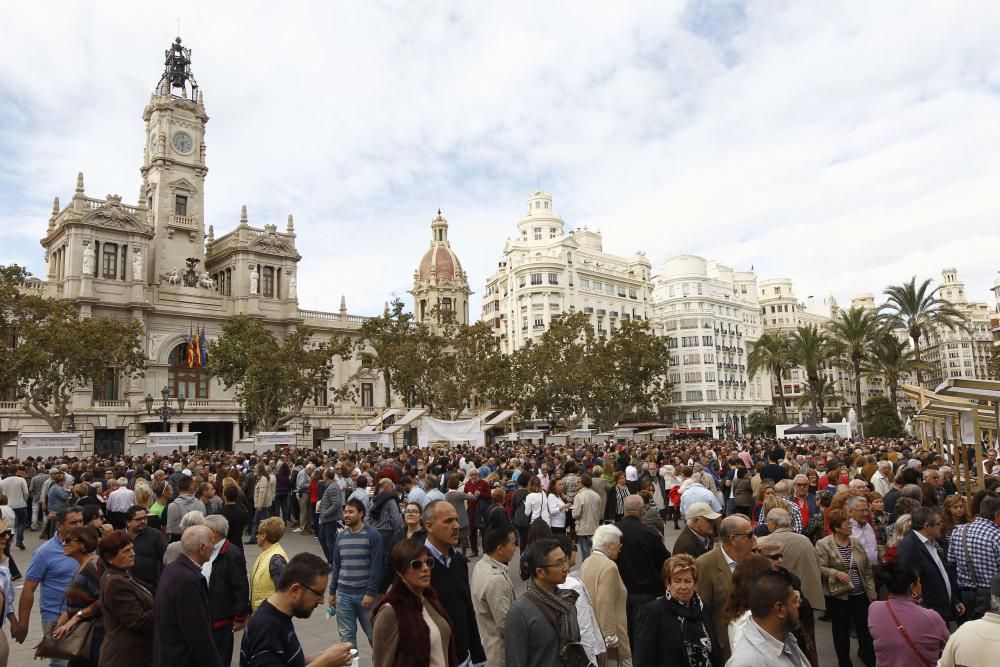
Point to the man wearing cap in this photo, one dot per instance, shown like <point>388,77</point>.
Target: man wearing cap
<point>698,535</point>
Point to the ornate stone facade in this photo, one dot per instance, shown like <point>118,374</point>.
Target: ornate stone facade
<point>440,286</point>
<point>153,261</point>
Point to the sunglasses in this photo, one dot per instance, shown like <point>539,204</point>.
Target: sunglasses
<point>418,563</point>
<point>774,556</point>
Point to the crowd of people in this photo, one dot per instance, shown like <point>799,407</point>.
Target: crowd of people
<point>143,558</point>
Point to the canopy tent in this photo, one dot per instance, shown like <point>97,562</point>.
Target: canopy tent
<point>266,440</point>
<point>557,439</point>
<point>355,440</point>
<point>412,415</point>
<point>164,443</point>
<point>440,430</point>
<point>809,428</point>
<point>582,434</point>
<point>494,418</point>
<point>42,444</point>
<point>532,434</point>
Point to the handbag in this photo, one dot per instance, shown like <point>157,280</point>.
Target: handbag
<point>909,642</point>
<point>571,654</point>
<point>75,644</point>
<point>837,587</point>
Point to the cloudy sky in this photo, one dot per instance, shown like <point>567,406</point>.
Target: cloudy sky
<point>844,145</point>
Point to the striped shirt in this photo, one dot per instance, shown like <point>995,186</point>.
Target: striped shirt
<point>847,557</point>
<point>358,561</point>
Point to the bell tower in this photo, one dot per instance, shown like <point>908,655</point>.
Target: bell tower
<point>173,166</point>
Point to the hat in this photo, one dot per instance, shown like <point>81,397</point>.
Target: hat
<point>701,510</point>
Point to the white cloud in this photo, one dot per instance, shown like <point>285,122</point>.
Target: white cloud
<point>845,146</point>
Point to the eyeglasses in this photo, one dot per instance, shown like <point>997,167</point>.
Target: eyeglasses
<point>562,562</point>
<point>312,590</point>
<point>418,563</point>
<point>774,556</point>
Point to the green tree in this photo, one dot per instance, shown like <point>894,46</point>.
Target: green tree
<point>919,310</point>
<point>772,354</point>
<point>273,377</point>
<point>53,352</point>
<point>560,368</point>
<point>893,359</point>
<point>761,424</point>
<point>883,421</point>
<point>402,347</point>
<point>811,348</point>
<point>854,332</point>
<point>819,395</point>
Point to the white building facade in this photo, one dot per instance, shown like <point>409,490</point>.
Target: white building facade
<point>962,352</point>
<point>710,315</point>
<point>546,271</point>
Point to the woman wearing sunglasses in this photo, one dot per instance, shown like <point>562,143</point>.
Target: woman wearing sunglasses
<point>411,628</point>
<point>6,590</point>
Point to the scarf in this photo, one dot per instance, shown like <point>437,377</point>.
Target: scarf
<point>414,648</point>
<point>697,642</point>
<point>561,604</point>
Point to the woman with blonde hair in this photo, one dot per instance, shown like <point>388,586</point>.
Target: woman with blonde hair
<point>271,562</point>
<point>143,493</point>
<point>679,623</point>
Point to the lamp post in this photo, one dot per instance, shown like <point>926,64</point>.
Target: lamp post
<point>71,427</point>
<point>306,426</point>
<point>245,423</point>
<point>165,412</point>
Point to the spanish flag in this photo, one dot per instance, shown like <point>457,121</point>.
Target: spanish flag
<point>190,347</point>
<point>196,349</point>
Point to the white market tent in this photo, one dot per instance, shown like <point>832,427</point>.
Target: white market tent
<point>42,444</point>
<point>164,443</point>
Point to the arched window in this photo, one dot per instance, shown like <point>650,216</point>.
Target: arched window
<point>183,380</point>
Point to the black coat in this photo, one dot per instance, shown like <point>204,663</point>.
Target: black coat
<point>452,587</point>
<point>641,559</point>
<point>689,543</point>
<point>229,588</point>
<point>912,552</point>
<point>183,619</point>
<point>659,634</point>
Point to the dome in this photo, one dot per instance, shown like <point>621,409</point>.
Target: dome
<point>439,261</point>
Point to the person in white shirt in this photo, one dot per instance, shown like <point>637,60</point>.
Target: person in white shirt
<point>557,507</point>
<point>881,480</point>
<point>536,504</point>
<point>119,501</point>
<point>590,633</point>
<point>16,489</point>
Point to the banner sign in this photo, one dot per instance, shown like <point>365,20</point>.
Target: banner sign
<point>439,430</point>
<point>172,440</point>
<point>49,440</point>
<point>272,439</point>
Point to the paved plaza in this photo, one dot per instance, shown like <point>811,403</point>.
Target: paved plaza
<point>318,632</point>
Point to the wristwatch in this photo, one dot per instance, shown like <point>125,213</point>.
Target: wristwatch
<point>79,614</point>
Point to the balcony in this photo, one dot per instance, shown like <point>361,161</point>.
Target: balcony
<point>601,312</point>
<point>114,405</point>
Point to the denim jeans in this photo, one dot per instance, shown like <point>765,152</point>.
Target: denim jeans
<point>258,516</point>
<point>586,543</point>
<point>21,520</point>
<point>328,539</point>
<point>350,613</point>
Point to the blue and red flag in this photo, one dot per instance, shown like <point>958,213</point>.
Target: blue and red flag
<point>203,345</point>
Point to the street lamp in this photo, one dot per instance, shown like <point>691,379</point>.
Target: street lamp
<point>306,426</point>
<point>165,412</point>
<point>245,423</point>
<point>71,427</point>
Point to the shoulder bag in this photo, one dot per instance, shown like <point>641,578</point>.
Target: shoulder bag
<point>909,642</point>
<point>837,587</point>
<point>981,594</point>
<point>571,654</point>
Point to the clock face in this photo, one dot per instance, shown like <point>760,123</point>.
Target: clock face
<point>182,142</point>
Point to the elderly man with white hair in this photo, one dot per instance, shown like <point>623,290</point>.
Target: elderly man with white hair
<point>882,479</point>
<point>604,584</point>
<point>228,587</point>
<point>182,616</point>
<point>782,490</point>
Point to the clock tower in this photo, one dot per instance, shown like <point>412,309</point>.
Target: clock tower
<point>173,167</point>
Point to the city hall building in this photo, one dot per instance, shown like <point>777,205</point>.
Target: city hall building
<point>156,261</point>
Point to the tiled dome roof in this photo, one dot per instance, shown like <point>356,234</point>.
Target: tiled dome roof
<point>441,262</point>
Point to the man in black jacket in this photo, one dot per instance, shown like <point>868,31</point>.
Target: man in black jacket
<point>698,536</point>
<point>182,633</point>
<point>149,546</point>
<point>450,579</point>
<point>228,587</point>
<point>640,562</point>
<point>920,550</point>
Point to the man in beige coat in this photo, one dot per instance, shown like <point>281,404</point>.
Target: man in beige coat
<point>493,590</point>
<point>604,584</point>
<point>587,514</point>
<point>798,555</point>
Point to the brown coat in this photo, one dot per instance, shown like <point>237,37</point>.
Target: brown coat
<point>127,610</point>
<point>604,584</point>
<point>800,559</point>
<point>715,580</point>
<point>830,563</point>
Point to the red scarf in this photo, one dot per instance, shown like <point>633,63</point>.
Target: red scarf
<point>414,648</point>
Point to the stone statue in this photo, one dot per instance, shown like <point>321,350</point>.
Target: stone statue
<point>173,278</point>
<point>205,280</point>
<point>137,266</point>
<point>88,260</point>
<point>254,276</point>
<point>292,287</point>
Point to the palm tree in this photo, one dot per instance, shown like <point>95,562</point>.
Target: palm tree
<point>819,394</point>
<point>811,347</point>
<point>854,332</point>
<point>919,310</point>
<point>771,354</point>
<point>892,359</point>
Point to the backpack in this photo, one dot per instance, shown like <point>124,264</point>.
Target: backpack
<point>520,518</point>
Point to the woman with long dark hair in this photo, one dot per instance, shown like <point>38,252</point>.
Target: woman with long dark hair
<point>410,627</point>
<point>901,628</point>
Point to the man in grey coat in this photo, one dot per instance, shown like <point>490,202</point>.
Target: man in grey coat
<point>331,514</point>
